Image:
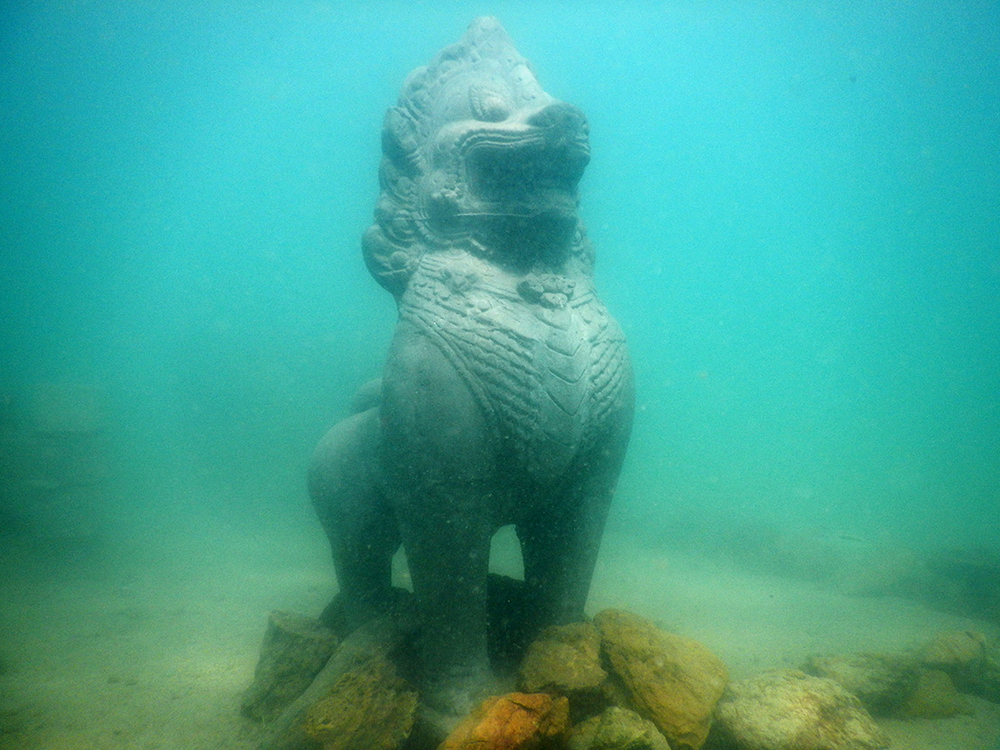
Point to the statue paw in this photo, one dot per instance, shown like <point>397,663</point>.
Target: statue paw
<point>446,703</point>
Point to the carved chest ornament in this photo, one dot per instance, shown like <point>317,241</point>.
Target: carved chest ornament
<point>477,235</point>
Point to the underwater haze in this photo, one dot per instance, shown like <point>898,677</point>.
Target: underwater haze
<point>795,208</point>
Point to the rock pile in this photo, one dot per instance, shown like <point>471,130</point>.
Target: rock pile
<point>617,683</point>
<point>625,684</point>
<point>929,684</point>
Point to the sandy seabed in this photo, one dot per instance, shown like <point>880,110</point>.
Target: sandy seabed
<point>147,641</point>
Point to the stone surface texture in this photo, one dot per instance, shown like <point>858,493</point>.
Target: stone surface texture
<point>617,729</point>
<point>935,697</point>
<point>516,721</point>
<point>790,710</point>
<point>954,649</point>
<point>565,659</point>
<point>970,659</point>
<point>368,708</point>
<point>882,682</point>
<point>295,649</point>
<point>673,681</point>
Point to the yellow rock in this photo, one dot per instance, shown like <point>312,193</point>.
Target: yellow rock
<point>368,708</point>
<point>955,649</point>
<point>935,697</point>
<point>674,682</point>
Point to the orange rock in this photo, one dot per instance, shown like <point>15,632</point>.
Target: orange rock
<point>516,721</point>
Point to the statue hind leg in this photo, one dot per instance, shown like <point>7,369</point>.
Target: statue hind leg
<point>346,492</point>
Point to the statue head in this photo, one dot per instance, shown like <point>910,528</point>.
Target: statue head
<point>478,158</point>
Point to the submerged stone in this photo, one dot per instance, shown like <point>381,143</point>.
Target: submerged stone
<point>617,729</point>
<point>368,708</point>
<point>790,710</point>
<point>517,721</point>
<point>294,650</point>
<point>935,697</point>
<point>674,682</point>
<point>565,660</point>
<point>881,682</point>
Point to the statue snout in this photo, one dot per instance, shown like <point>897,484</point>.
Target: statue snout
<point>561,120</point>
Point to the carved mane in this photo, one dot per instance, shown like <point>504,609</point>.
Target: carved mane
<point>478,158</point>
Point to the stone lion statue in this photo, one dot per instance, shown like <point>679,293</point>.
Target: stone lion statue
<point>507,394</point>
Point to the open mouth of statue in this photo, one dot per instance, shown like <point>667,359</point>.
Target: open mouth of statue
<point>514,191</point>
<point>524,174</point>
<point>522,197</point>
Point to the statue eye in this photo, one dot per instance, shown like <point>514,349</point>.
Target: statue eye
<point>488,104</point>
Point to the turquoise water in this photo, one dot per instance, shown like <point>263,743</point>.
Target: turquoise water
<point>795,209</point>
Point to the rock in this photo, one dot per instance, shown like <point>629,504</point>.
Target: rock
<point>294,650</point>
<point>364,651</point>
<point>789,710</point>
<point>617,729</point>
<point>368,708</point>
<point>674,682</point>
<point>954,650</point>
<point>398,606</point>
<point>972,662</point>
<point>566,660</point>
<point>874,568</point>
<point>985,682</point>
<point>516,721</point>
<point>614,692</point>
<point>880,681</point>
<point>935,697</point>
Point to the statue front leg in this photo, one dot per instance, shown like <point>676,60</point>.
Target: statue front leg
<point>447,549</point>
<point>440,468</point>
<point>560,543</point>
